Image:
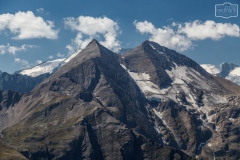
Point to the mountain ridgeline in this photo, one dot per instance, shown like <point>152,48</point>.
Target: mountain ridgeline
<point>20,83</point>
<point>149,103</point>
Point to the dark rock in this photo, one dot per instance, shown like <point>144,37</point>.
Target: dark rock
<point>20,83</point>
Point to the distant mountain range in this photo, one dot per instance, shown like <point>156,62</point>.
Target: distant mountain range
<point>225,70</point>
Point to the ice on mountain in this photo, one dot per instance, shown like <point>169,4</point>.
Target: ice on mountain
<point>144,83</point>
<point>152,46</point>
<point>212,69</point>
<point>43,68</point>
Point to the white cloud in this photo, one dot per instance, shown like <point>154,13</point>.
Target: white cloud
<point>60,55</point>
<point>165,36</point>
<point>50,57</point>
<point>13,49</point>
<point>89,28</point>
<point>38,61</point>
<point>25,25</point>
<point>24,63</point>
<point>42,11</point>
<point>198,30</point>
<point>180,37</point>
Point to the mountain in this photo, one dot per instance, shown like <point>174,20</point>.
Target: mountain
<point>47,67</point>
<point>150,103</point>
<point>89,109</point>
<point>43,68</point>
<point>20,83</point>
<point>0,72</point>
<point>224,70</point>
<point>189,104</point>
<point>25,80</point>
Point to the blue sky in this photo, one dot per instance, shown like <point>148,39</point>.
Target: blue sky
<point>36,31</point>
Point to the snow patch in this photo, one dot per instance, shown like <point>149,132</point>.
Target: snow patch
<point>234,76</point>
<point>152,46</point>
<point>156,129</point>
<point>46,67</point>
<point>235,72</point>
<point>212,69</point>
<point>161,117</point>
<point>147,87</point>
<point>72,56</point>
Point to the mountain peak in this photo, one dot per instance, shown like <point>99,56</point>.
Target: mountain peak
<point>153,46</point>
<point>94,41</point>
<point>150,42</point>
<point>92,51</point>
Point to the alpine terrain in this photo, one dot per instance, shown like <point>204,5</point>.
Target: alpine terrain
<point>25,80</point>
<point>225,70</point>
<point>149,103</point>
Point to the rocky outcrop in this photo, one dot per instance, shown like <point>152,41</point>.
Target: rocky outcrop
<point>8,99</point>
<point>226,69</point>
<point>20,83</point>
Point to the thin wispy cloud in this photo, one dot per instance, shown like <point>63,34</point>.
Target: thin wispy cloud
<point>60,55</point>
<point>38,61</point>
<point>14,49</point>
<point>24,63</point>
<point>51,57</point>
<point>42,11</point>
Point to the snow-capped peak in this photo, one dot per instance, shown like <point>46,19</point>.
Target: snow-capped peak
<point>45,67</point>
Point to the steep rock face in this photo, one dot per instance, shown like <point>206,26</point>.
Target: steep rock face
<point>226,69</point>
<point>187,108</point>
<point>20,83</point>
<point>90,108</point>
<point>151,58</point>
<point>8,99</point>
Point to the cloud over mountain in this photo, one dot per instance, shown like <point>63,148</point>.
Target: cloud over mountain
<point>180,36</point>
<point>88,28</point>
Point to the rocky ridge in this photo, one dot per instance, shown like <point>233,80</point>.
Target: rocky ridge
<point>150,103</point>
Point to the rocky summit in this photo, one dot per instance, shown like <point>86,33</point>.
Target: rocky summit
<point>149,103</point>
